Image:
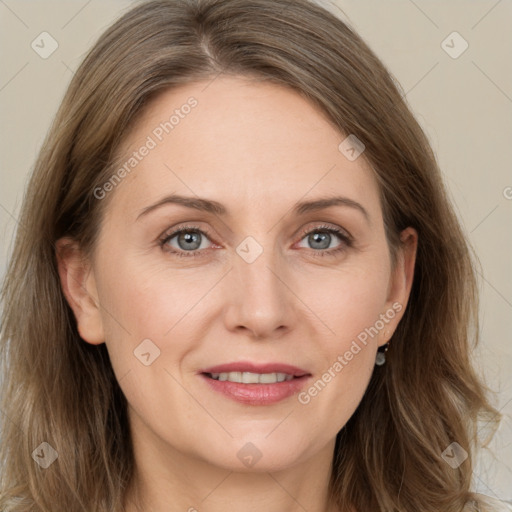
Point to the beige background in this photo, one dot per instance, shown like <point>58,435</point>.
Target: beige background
<point>464,104</point>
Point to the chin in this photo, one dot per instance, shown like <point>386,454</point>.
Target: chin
<point>257,455</point>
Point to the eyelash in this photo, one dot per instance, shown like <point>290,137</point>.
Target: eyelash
<point>346,239</point>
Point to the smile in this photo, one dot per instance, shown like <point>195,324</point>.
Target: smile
<point>255,384</point>
<point>251,378</point>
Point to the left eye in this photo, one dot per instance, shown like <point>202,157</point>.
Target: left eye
<point>321,238</point>
<point>188,240</point>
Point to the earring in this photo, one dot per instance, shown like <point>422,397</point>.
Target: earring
<point>380,358</point>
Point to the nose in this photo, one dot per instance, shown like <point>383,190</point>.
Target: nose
<point>260,298</point>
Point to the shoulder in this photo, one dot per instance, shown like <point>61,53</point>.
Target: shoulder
<point>483,503</point>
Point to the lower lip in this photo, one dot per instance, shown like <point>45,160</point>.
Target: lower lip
<point>257,394</point>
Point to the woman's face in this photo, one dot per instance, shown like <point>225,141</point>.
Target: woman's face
<point>264,284</point>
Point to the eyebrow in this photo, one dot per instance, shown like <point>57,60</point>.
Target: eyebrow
<point>211,206</point>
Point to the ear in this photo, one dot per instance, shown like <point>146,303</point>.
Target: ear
<point>79,287</point>
<point>401,281</point>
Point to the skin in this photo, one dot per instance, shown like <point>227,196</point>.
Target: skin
<point>258,149</point>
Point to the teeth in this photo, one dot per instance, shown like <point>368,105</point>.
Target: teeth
<point>252,378</point>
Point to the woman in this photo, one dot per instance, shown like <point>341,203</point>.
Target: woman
<point>185,343</point>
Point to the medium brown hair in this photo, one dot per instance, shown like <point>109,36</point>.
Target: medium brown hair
<point>62,390</point>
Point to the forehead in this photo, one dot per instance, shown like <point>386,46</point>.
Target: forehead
<point>239,141</point>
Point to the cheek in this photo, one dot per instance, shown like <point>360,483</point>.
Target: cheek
<point>154,317</point>
<point>348,302</point>
<point>147,300</point>
<point>347,360</point>
<point>147,318</point>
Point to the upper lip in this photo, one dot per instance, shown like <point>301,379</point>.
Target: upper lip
<point>246,366</point>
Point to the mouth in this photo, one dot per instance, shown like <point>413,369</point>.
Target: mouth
<point>254,384</point>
